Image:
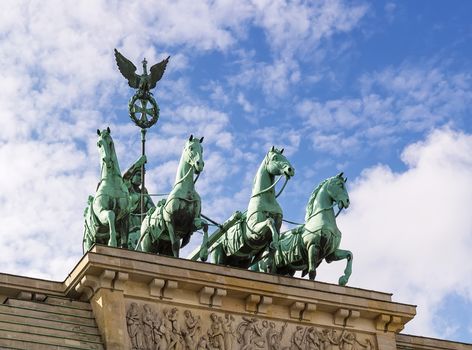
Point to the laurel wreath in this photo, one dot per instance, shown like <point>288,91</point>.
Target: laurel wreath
<point>143,122</point>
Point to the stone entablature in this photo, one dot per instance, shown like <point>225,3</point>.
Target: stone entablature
<point>140,300</point>
<point>118,278</point>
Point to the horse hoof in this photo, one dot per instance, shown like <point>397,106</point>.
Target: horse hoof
<point>342,280</point>
<point>112,243</point>
<point>312,275</point>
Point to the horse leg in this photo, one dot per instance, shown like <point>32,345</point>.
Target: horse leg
<point>340,254</point>
<point>204,245</point>
<point>273,246</point>
<point>108,216</point>
<point>260,230</point>
<point>218,255</point>
<point>124,232</point>
<point>145,245</point>
<point>312,255</point>
<point>275,234</point>
<point>87,241</point>
<point>111,222</point>
<point>175,242</point>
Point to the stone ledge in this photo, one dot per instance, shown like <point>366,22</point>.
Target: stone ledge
<point>204,279</point>
<point>413,342</point>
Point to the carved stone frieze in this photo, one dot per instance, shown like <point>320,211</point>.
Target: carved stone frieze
<point>156,327</point>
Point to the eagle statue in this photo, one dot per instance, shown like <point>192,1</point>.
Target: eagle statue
<point>145,81</point>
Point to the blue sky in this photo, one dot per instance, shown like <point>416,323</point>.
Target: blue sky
<point>379,90</point>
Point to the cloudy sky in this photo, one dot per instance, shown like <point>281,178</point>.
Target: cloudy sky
<point>379,90</point>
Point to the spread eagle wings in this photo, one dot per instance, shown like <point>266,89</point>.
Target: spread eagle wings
<point>157,71</point>
<point>128,69</point>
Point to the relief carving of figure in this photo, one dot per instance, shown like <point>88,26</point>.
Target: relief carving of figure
<point>192,330</point>
<point>172,333</point>
<point>250,335</point>
<point>215,333</point>
<point>203,343</point>
<point>166,329</point>
<point>313,341</point>
<point>157,331</point>
<point>228,331</point>
<point>347,341</point>
<point>332,341</point>
<point>298,338</point>
<point>274,337</point>
<point>148,324</point>
<point>135,328</point>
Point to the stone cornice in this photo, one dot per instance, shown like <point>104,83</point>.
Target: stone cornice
<point>165,277</point>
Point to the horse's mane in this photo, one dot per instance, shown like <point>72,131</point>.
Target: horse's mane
<point>309,207</point>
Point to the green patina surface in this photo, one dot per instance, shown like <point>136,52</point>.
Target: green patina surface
<point>244,242</point>
<point>138,104</point>
<point>306,246</point>
<point>106,216</point>
<point>132,178</point>
<point>249,239</point>
<point>169,227</point>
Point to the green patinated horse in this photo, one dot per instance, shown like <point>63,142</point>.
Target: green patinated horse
<point>244,242</point>
<point>169,226</point>
<point>106,216</point>
<point>305,247</point>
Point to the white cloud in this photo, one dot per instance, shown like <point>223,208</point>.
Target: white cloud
<point>245,104</point>
<point>411,232</point>
<point>295,32</point>
<point>392,102</point>
<point>390,9</point>
<point>298,25</point>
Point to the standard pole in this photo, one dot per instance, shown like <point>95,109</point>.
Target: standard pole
<point>143,151</point>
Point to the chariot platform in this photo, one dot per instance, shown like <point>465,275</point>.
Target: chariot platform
<point>121,299</point>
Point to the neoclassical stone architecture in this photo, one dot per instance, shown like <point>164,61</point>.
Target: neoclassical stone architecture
<point>121,299</point>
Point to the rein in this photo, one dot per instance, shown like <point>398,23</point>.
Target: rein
<point>271,187</point>
<point>323,209</point>
<point>319,211</point>
<point>186,175</point>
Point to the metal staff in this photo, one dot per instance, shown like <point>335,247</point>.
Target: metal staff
<point>148,116</point>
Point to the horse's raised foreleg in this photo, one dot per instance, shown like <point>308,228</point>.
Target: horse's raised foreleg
<point>275,234</point>
<point>260,230</point>
<point>274,244</point>
<point>340,254</point>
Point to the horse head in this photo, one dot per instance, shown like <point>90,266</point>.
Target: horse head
<point>277,164</point>
<point>193,153</point>
<point>106,147</point>
<point>336,188</point>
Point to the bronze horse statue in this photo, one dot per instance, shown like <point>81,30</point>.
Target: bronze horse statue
<point>169,226</point>
<point>306,246</point>
<point>106,216</point>
<point>245,241</point>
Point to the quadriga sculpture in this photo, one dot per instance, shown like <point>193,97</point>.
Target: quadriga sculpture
<point>305,247</point>
<point>106,216</point>
<point>177,217</point>
<point>245,241</point>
